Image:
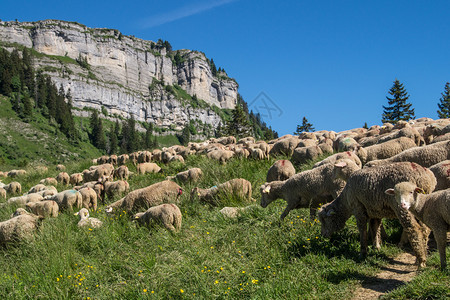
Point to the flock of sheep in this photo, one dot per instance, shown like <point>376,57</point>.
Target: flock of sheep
<point>375,173</point>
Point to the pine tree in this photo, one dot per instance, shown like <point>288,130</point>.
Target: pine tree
<point>147,142</point>
<point>305,127</point>
<point>398,108</point>
<point>27,107</point>
<point>185,136</point>
<point>238,126</point>
<point>113,140</point>
<point>97,134</point>
<point>444,105</point>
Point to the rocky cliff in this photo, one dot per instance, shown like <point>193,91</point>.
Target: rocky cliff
<point>124,74</point>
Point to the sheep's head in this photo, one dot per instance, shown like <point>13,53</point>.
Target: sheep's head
<point>19,211</point>
<point>330,220</point>
<point>343,169</point>
<point>405,194</point>
<point>265,195</point>
<point>83,213</point>
<point>195,193</point>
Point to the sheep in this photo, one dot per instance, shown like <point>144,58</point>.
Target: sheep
<point>2,193</point>
<point>441,138</point>
<point>306,189</point>
<point>102,159</point>
<point>144,168</point>
<point>226,140</point>
<point>118,187</point>
<point>326,148</point>
<point>123,159</point>
<point>192,175</point>
<point>168,215</point>
<point>96,186</point>
<point>384,150</point>
<point>220,155</point>
<point>19,227</point>
<point>97,172</point>
<point>257,154</point>
<point>113,159</point>
<point>76,179</point>
<point>22,200</point>
<point>156,155</point>
<point>347,144</point>
<point>63,178</point>
<point>280,170</point>
<point>37,188</point>
<point>121,173</point>
<point>60,167</point>
<point>234,212</point>
<point>303,154</point>
<point>285,146</point>
<point>44,209</point>
<point>3,174</point>
<point>13,187</point>
<point>41,169</point>
<point>338,156</point>
<point>49,181</point>
<point>86,221</point>
<point>144,156</point>
<point>407,131</point>
<point>241,152</point>
<point>442,173</point>
<point>238,187</point>
<point>177,157</point>
<point>364,197</point>
<point>15,173</point>
<point>425,156</point>
<point>155,194</point>
<point>432,209</point>
<point>89,198</point>
<point>67,199</point>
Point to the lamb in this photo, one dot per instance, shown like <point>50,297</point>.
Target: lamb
<point>303,154</point>
<point>44,209</point>
<point>49,181</point>
<point>144,168</point>
<point>432,209</point>
<point>442,173</point>
<point>121,173</point>
<point>384,150</point>
<point>338,156</point>
<point>19,227</point>
<point>238,187</point>
<point>76,179</point>
<point>67,200</point>
<point>168,215</point>
<point>220,155</point>
<point>155,194</point>
<point>309,188</point>
<point>118,187</point>
<point>89,198</point>
<point>364,197</point>
<point>280,170</point>
<point>425,156</point>
<point>86,221</point>
<point>63,178</point>
<point>13,187</point>
<point>191,175</point>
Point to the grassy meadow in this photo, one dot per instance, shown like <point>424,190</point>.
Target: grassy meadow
<point>255,256</point>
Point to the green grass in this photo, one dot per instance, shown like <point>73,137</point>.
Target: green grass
<point>252,257</point>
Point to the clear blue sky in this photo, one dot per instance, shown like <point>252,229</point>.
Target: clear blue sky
<point>331,61</point>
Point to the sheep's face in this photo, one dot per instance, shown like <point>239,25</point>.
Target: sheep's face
<point>405,194</point>
<point>329,220</point>
<point>266,198</point>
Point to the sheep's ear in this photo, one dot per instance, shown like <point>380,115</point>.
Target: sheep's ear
<point>330,213</point>
<point>389,192</point>
<point>76,214</point>
<point>267,189</point>
<point>341,164</point>
<point>419,190</point>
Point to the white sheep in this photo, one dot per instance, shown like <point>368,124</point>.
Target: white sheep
<point>86,221</point>
<point>168,215</point>
<point>22,225</point>
<point>148,167</point>
<point>67,199</point>
<point>432,209</point>
<point>237,187</point>
<point>442,173</point>
<point>192,175</point>
<point>44,209</point>
<point>280,170</point>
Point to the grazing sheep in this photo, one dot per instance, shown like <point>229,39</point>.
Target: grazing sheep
<point>21,226</point>
<point>86,221</point>
<point>76,179</point>
<point>48,191</point>
<point>67,200</point>
<point>123,159</point>
<point>191,175</point>
<point>113,159</point>
<point>2,193</point>
<point>344,168</point>
<point>15,173</point>
<point>121,173</point>
<point>44,209</point>
<point>280,170</point>
<point>326,148</point>
<point>234,212</point>
<point>37,188</point>
<point>155,194</point>
<point>63,178</point>
<point>303,154</point>
<point>442,173</point>
<point>144,156</point>
<point>168,215</point>
<point>285,146</point>
<point>96,186</point>
<point>238,187</point>
<point>220,155</point>
<point>3,174</point>
<point>22,200</point>
<point>241,152</point>
<point>49,181</point>
<point>144,168</point>
<point>118,187</point>
<point>432,209</point>
<point>384,150</point>
<point>338,156</point>
<point>347,144</point>
<point>257,154</point>
<point>89,198</point>
<point>13,188</point>
<point>60,167</point>
<point>97,172</point>
<point>306,189</point>
<point>102,159</point>
<point>178,158</point>
<point>364,197</point>
<point>425,156</point>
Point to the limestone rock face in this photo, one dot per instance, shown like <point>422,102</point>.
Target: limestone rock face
<point>124,74</point>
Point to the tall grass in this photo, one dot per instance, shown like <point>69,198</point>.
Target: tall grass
<point>255,256</point>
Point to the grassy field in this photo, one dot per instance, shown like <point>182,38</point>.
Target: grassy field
<point>254,256</point>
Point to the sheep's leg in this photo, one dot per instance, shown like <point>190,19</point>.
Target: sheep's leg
<point>289,207</point>
<point>375,232</point>
<point>441,241</point>
<point>315,203</point>
<point>361,222</point>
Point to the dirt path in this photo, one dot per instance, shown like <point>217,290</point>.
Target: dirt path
<point>399,271</point>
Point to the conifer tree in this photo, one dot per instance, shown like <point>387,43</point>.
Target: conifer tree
<point>398,108</point>
<point>148,136</point>
<point>238,126</point>
<point>444,105</point>
<point>27,107</point>
<point>305,127</point>
<point>185,136</point>
<point>97,134</point>
<point>113,140</point>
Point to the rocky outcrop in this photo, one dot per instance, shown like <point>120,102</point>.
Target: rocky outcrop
<point>124,74</point>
